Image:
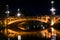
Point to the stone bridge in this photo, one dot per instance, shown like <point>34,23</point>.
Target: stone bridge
<point>45,19</point>
<point>10,20</point>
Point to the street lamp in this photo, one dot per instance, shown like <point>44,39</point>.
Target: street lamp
<point>52,9</point>
<point>7,12</point>
<point>53,36</point>
<point>52,2</point>
<point>18,14</point>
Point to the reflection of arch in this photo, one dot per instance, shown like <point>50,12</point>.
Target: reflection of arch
<point>16,24</point>
<point>32,24</point>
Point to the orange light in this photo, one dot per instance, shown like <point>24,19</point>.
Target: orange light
<point>52,22</point>
<point>22,28</point>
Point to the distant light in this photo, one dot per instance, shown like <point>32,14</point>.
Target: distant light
<point>8,38</point>
<point>52,29</point>
<point>18,14</point>
<point>52,22</point>
<point>7,12</point>
<point>52,2</point>
<point>52,9</point>
<point>18,10</point>
<point>43,27</point>
<point>34,26</point>
<point>19,37</point>
<point>53,34</point>
<point>27,27</point>
<point>53,13</point>
<point>7,5</point>
<point>44,34</point>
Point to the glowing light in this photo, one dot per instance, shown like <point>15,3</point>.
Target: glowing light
<point>52,9</point>
<point>18,10</point>
<point>18,14</point>
<point>8,38</point>
<point>43,27</point>
<point>44,34</point>
<point>52,29</point>
<point>52,22</point>
<point>22,28</point>
<point>53,34</point>
<point>52,2</point>
<point>7,12</point>
<point>19,37</point>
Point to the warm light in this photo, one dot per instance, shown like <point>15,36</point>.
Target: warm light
<point>52,29</point>
<point>52,22</point>
<point>44,34</point>
<point>53,34</point>
<point>22,28</point>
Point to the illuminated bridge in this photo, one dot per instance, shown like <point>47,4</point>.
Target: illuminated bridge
<point>16,19</point>
<point>35,26</point>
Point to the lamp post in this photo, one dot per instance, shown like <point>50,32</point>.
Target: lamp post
<point>7,12</point>
<point>53,36</point>
<point>18,14</point>
<point>52,9</point>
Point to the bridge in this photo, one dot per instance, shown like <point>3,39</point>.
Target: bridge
<point>45,19</point>
<point>11,20</point>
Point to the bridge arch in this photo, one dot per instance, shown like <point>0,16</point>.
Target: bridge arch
<point>20,20</point>
<point>10,20</point>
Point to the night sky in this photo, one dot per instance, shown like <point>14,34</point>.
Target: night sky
<point>28,7</point>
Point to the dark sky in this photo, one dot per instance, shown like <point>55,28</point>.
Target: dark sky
<point>29,8</point>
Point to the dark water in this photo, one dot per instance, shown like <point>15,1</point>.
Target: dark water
<point>3,37</point>
<point>33,38</point>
